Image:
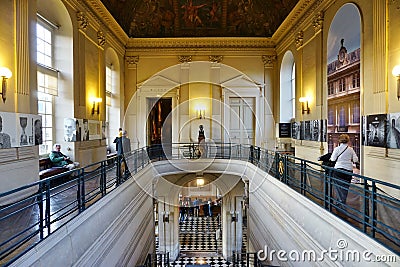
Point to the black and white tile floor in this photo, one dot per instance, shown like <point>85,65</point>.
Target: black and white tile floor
<point>198,244</point>
<point>199,234</point>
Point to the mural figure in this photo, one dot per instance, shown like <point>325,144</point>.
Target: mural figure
<point>191,14</point>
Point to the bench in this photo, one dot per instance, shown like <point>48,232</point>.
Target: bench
<point>46,170</point>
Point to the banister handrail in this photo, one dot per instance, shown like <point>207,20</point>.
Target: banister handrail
<point>293,171</point>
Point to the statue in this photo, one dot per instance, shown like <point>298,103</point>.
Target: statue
<point>202,142</point>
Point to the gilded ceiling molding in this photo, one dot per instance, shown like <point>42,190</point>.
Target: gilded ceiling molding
<point>299,39</point>
<point>318,21</point>
<point>201,43</point>
<point>215,59</point>
<point>82,20</point>
<point>131,60</point>
<point>268,60</point>
<point>107,19</point>
<point>185,59</point>
<point>294,17</point>
<point>101,38</point>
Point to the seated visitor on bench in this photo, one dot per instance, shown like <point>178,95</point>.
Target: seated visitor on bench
<point>60,160</point>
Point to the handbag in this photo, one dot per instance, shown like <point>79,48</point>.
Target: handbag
<point>326,159</point>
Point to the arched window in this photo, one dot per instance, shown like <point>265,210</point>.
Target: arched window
<point>288,88</point>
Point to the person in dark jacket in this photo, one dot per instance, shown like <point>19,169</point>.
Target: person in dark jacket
<point>123,146</point>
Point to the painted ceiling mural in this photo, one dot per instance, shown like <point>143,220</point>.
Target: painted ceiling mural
<point>199,18</point>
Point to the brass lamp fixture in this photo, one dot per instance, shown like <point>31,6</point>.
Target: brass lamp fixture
<point>5,74</point>
<point>201,112</point>
<point>95,101</point>
<point>396,73</point>
<point>303,100</point>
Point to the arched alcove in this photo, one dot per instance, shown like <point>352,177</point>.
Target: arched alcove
<point>287,88</point>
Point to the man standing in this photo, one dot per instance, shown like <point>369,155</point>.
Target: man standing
<point>123,146</point>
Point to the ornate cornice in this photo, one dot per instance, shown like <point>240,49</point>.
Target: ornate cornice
<point>98,8</point>
<point>185,59</point>
<point>299,39</point>
<point>318,21</point>
<point>131,60</point>
<point>101,38</point>
<point>215,59</point>
<point>205,43</point>
<point>83,21</point>
<point>295,15</point>
<point>268,60</point>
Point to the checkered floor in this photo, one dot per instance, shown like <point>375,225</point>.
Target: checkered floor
<point>198,244</point>
<point>198,234</point>
<point>213,261</point>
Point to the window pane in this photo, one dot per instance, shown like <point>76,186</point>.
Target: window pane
<point>41,108</point>
<point>49,108</point>
<point>48,120</point>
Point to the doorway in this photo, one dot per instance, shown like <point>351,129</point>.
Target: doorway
<point>159,127</point>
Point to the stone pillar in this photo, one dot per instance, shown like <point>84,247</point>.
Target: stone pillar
<point>216,129</point>
<point>184,112</point>
<point>269,121</point>
<point>131,63</point>
<point>23,63</point>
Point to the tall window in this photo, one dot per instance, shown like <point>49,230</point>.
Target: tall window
<point>356,80</point>
<point>293,83</point>
<point>109,90</point>
<point>342,85</point>
<point>47,79</point>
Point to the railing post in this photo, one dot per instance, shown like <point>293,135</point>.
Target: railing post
<point>135,161</point>
<point>373,210</point>
<point>303,177</point>
<point>103,179</point>
<point>81,176</point>
<point>366,206</point>
<point>118,171</point>
<point>142,152</point>
<point>40,204</point>
<point>47,212</point>
<point>251,154</point>
<point>327,195</point>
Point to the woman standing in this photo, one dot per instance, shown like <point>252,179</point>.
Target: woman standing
<point>344,157</point>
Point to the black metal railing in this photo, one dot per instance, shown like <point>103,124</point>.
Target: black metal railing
<point>56,203</point>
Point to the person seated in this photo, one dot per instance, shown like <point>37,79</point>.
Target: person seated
<point>60,160</point>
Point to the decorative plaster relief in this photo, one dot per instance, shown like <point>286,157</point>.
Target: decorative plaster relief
<point>185,59</point>
<point>101,38</point>
<point>82,20</point>
<point>318,21</point>
<point>131,60</point>
<point>215,59</point>
<point>269,60</point>
<point>299,39</point>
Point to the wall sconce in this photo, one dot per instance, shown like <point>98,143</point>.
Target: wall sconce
<point>302,101</point>
<point>5,73</point>
<point>94,108</point>
<point>166,217</point>
<point>396,73</point>
<point>201,112</point>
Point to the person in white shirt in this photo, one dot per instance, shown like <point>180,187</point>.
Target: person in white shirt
<point>344,157</point>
